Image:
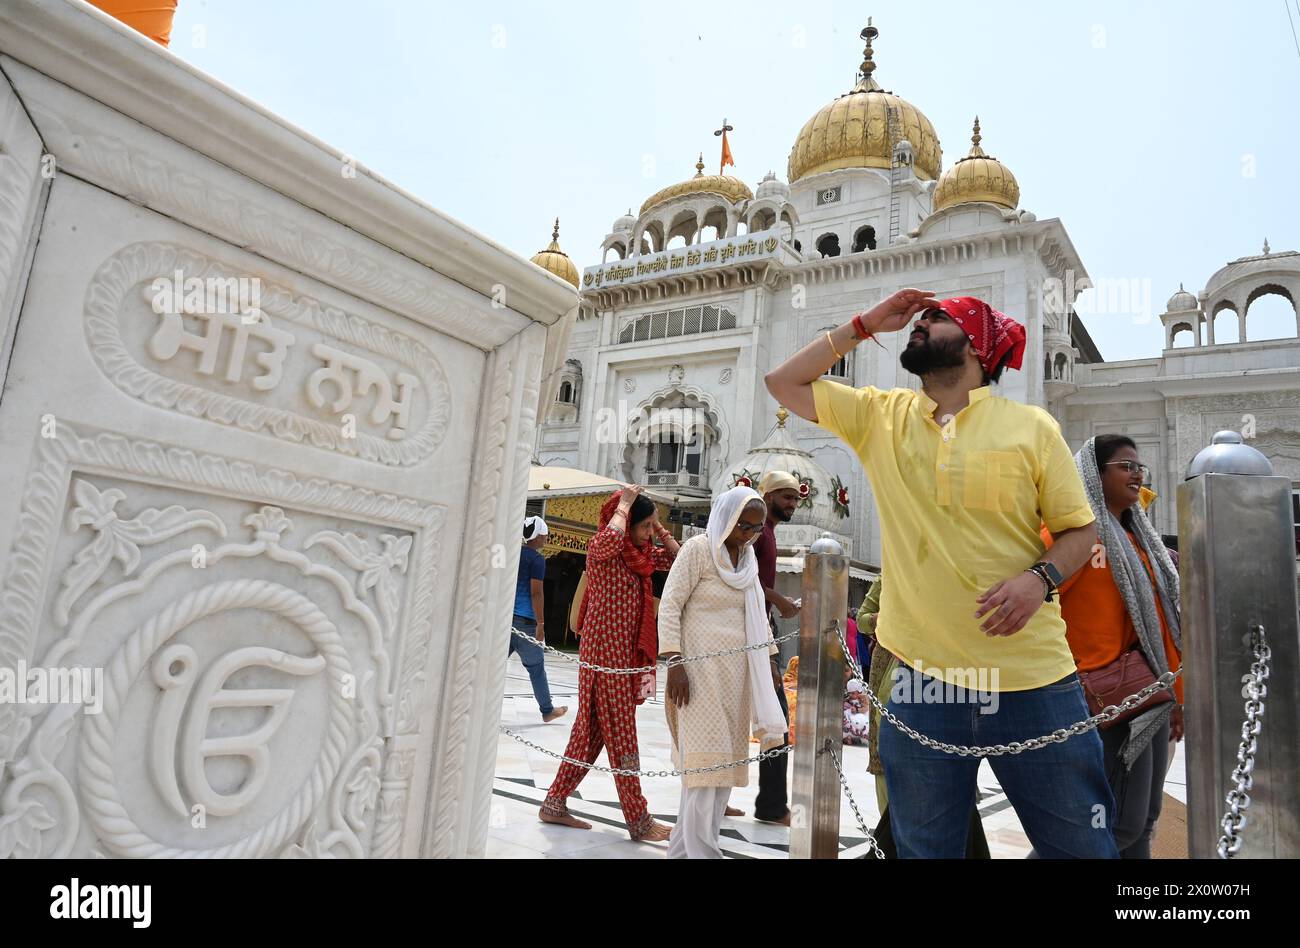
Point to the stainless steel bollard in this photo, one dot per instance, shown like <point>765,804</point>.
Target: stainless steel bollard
<point>819,721</point>
<point>1237,568</point>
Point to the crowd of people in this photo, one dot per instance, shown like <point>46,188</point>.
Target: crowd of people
<point>1027,590</point>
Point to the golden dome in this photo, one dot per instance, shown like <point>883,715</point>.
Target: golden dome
<point>556,261</point>
<point>733,189</point>
<point>977,177</point>
<point>853,130</point>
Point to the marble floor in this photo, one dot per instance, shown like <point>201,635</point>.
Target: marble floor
<point>523,775</point>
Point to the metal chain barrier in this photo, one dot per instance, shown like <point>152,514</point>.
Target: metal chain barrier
<point>1060,735</point>
<point>646,669</point>
<point>853,804</point>
<point>1238,799</point>
<point>624,772</point>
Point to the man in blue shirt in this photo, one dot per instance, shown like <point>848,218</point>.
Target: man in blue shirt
<point>530,616</point>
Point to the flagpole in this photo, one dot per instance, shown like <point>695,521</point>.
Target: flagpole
<point>722,161</point>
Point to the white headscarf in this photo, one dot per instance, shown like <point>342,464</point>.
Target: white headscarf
<point>768,722</point>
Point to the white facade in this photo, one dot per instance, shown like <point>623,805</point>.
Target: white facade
<point>270,525</point>
<point>780,305</point>
<point>1172,405</point>
<point>847,239</point>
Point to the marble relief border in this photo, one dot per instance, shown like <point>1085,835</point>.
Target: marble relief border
<point>103,452</point>
<point>470,700</point>
<point>1193,416</point>
<point>18,184</point>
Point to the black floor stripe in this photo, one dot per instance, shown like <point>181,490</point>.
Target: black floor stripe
<point>995,808</point>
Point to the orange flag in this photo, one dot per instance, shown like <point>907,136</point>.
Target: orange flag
<point>726,154</point>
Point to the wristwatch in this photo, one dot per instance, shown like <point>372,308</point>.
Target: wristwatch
<point>1051,577</point>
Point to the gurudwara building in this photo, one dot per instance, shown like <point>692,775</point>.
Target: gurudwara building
<point>711,284</point>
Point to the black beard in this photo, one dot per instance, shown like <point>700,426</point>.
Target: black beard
<point>928,356</point>
<point>779,514</point>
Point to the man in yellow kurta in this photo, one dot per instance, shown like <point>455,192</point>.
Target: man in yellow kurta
<point>713,601</point>
<point>962,480</point>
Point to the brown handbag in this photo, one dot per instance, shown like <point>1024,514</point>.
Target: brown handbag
<point>575,607</point>
<point>1111,684</point>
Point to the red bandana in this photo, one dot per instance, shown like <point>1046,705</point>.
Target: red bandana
<point>992,335</point>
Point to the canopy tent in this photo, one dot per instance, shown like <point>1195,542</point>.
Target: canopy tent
<point>545,482</point>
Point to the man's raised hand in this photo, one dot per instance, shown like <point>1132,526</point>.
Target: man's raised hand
<point>896,311</point>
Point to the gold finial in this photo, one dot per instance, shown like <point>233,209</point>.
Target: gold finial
<point>554,246</point>
<point>866,82</point>
<point>699,166</point>
<point>781,416</point>
<point>975,150</point>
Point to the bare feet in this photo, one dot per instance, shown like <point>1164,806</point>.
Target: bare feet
<point>562,819</point>
<point>559,712</point>
<point>656,833</point>
<point>783,821</point>
<point>732,811</point>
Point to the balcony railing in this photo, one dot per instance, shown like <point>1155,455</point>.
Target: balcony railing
<point>678,479</point>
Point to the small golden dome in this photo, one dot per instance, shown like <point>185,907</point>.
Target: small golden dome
<point>556,261</point>
<point>977,177</point>
<point>853,130</point>
<point>733,189</point>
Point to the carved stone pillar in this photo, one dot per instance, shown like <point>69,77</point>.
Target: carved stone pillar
<point>264,450</point>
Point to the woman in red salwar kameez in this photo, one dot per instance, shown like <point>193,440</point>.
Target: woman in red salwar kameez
<point>617,623</point>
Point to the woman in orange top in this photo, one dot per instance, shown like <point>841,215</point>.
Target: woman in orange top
<point>1127,597</point>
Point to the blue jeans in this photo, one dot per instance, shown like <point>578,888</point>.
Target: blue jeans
<point>1059,792</point>
<point>530,653</point>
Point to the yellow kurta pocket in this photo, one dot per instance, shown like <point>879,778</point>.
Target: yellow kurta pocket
<point>992,479</point>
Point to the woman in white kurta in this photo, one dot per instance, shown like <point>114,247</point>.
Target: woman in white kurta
<point>712,600</point>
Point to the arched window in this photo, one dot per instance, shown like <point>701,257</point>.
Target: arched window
<point>1270,314</point>
<point>1178,341</point>
<point>678,458</point>
<point>1226,326</point>
<point>566,392</point>
<point>1060,365</point>
<point>864,239</point>
<point>828,245</point>
<point>688,321</point>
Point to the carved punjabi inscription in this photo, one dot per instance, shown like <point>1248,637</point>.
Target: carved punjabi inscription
<point>365,376</point>
<point>171,338</point>
<point>300,363</point>
<point>351,374</point>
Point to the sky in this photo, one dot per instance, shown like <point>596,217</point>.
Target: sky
<point>1164,135</point>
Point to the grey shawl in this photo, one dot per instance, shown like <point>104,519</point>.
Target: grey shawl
<point>1134,584</point>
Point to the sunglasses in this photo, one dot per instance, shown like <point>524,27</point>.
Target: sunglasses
<point>1132,467</point>
<point>744,527</point>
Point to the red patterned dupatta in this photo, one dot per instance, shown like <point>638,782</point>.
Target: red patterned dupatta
<point>638,560</point>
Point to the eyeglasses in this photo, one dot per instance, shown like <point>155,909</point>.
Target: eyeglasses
<point>744,527</point>
<point>1132,467</point>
